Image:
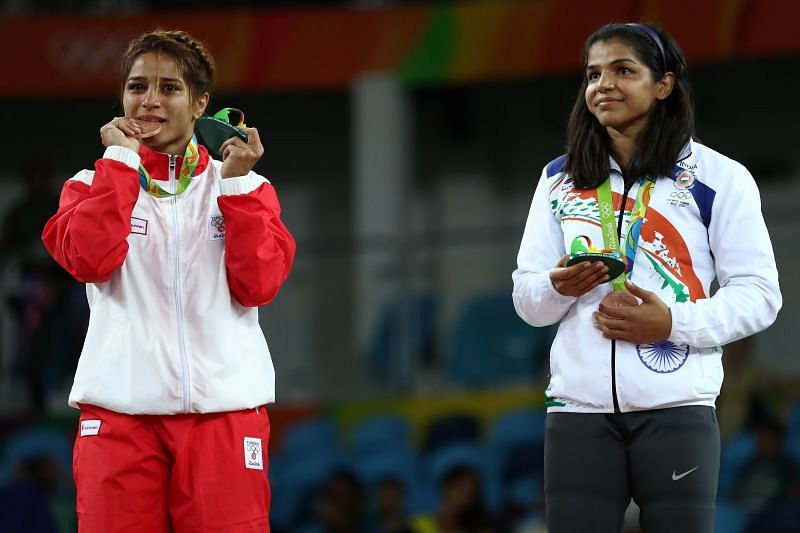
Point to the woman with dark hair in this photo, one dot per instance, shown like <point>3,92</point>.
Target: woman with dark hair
<point>177,250</point>
<point>636,363</point>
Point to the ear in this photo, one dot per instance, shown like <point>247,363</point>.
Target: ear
<point>665,86</point>
<point>200,106</point>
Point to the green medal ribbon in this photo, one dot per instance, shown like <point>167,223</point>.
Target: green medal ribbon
<point>609,229</point>
<point>190,160</point>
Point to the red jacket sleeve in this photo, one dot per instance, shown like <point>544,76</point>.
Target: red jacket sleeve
<point>259,250</point>
<point>87,236</point>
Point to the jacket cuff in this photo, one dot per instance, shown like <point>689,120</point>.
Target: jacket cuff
<point>241,184</point>
<point>123,155</point>
<point>680,321</point>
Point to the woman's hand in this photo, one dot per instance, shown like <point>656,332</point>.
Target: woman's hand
<point>578,279</point>
<point>238,157</point>
<point>651,321</point>
<point>127,132</point>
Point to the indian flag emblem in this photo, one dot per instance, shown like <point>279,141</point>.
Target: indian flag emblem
<point>685,180</point>
<point>664,356</point>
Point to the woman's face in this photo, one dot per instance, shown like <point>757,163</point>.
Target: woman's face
<point>621,92</point>
<point>156,93</point>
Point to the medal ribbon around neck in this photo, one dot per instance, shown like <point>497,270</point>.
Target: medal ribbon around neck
<point>191,158</point>
<point>609,230</point>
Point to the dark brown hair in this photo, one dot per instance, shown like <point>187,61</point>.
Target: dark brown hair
<point>195,63</point>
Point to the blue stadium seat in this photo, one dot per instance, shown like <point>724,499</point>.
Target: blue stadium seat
<point>729,518</point>
<point>451,429</point>
<point>295,493</point>
<point>517,442</point>
<point>793,421</point>
<point>381,434</point>
<point>735,454</point>
<point>398,465</point>
<point>404,339</point>
<point>518,426</point>
<point>791,446</point>
<point>36,442</point>
<point>318,436</point>
<point>491,344</point>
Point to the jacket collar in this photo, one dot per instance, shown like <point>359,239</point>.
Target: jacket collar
<point>157,163</point>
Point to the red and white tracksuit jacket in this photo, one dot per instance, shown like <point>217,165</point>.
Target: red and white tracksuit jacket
<point>173,284</point>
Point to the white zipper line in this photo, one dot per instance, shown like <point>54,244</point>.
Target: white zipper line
<point>186,378</point>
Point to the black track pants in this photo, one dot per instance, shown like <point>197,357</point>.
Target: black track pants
<point>667,460</point>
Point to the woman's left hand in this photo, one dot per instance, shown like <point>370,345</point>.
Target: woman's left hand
<point>651,321</point>
<point>238,157</point>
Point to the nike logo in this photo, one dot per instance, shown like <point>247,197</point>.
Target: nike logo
<point>676,477</point>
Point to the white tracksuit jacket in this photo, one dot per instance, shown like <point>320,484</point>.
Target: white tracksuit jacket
<point>703,222</point>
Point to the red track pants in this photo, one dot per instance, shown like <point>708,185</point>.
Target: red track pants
<point>172,473</point>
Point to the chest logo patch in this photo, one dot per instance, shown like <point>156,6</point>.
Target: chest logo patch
<point>216,227</point>
<point>138,226</point>
<point>682,195</point>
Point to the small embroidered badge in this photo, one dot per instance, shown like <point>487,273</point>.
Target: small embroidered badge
<point>90,427</point>
<point>216,227</point>
<point>252,453</point>
<point>138,225</point>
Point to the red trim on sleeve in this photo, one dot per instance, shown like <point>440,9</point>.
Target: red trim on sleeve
<point>88,234</point>
<point>259,250</point>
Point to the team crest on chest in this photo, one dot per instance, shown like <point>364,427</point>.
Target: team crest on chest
<point>216,227</point>
<point>681,195</point>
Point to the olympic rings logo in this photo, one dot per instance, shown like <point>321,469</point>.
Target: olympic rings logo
<point>605,210</point>
<point>680,195</point>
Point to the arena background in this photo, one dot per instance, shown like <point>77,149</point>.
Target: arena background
<point>405,140</point>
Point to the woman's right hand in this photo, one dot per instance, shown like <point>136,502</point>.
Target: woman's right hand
<point>578,279</point>
<point>127,132</point>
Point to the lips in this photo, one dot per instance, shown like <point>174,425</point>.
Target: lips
<point>605,102</point>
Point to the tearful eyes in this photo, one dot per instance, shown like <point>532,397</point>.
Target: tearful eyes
<point>167,87</point>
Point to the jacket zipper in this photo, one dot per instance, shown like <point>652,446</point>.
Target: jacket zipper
<point>186,378</point>
<point>613,341</point>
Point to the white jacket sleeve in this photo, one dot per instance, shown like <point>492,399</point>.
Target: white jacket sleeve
<point>536,300</point>
<point>749,298</point>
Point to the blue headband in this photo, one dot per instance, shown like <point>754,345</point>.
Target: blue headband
<point>653,37</point>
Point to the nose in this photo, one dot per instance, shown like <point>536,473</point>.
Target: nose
<point>605,82</point>
<point>151,97</point>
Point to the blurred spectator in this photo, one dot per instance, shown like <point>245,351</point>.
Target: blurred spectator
<point>32,499</point>
<point>771,475</point>
<point>461,509</point>
<point>341,509</point>
<point>390,506</point>
<point>523,505</point>
<point>779,516</point>
<point>36,478</point>
<point>37,291</point>
<point>23,509</point>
